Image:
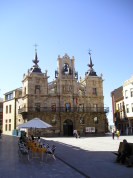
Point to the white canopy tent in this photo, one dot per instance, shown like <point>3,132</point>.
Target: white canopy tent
<point>35,123</point>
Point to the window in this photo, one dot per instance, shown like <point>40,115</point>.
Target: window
<point>127,108</point>
<point>81,107</point>
<point>81,120</point>
<point>1,108</point>
<point>95,107</point>
<point>67,106</point>
<point>9,120</point>
<point>25,91</point>
<point>37,107</point>
<point>37,89</point>
<point>76,75</point>
<point>121,115</point>
<point>117,107</point>
<point>120,107</point>
<point>10,109</point>
<point>94,91</point>
<point>132,107</point>
<point>9,127</point>
<point>53,106</point>
<point>6,109</point>
<point>5,127</point>
<point>131,92</point>
<point>126,94</point>
<point>9,96</point>
<point>95,120</point>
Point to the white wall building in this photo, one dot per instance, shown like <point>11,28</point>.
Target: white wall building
<point>128,101</point>
<point>12,102</point>
<point>122,106</point>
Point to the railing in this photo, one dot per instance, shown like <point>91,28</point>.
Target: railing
<point>63,109</point>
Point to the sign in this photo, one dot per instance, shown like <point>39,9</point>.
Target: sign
<point>90,129</point>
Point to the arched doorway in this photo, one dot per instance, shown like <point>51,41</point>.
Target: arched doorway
<point>68,128</point>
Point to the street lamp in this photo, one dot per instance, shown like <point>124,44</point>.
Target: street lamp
<point>95,121</point>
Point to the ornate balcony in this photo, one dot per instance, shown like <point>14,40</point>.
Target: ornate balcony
<point>63,109</point>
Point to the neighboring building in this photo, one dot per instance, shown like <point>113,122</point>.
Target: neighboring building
<point>128,101</point>
<point>122,106</point>
<point>10,110</point>
<point>1,113</point>
<point>64,103</point>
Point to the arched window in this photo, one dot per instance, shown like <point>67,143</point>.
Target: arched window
<point>66,68</point>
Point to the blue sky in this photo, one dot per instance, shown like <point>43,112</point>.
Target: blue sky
<point>67,26</point>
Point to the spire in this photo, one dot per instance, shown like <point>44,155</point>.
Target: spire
<point>35,67</point>
<point>35,61</point>
<point>90,65</point>
<point>91,71</point>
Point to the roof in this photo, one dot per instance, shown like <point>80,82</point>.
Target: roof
<point>117,93</point>
<point>20,88</point>
<point>1,99</point>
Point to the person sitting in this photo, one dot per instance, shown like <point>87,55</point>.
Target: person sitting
<point>39,141</point>
<point>32,137</point>
<point>130,161</point>
<point>21,139</point>
<point>125,152</point>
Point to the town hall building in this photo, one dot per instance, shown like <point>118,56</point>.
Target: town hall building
<point>65,103</point>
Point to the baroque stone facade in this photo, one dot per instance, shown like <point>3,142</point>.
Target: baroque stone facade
<point>65,103</point>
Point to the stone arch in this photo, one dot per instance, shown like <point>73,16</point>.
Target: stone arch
<point>68,127</point>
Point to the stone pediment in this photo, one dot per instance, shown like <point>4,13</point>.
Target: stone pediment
<point>66,56</point>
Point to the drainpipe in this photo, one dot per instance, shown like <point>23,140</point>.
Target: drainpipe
<point>15,114</point>
<point>59,107</point>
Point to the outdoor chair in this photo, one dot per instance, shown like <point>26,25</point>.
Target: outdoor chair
<point>50,152</point>
<point>23,150</point>
<point>45,145</point>
<point>36,149</point>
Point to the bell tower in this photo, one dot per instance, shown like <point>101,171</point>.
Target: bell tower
<point>66,77</point>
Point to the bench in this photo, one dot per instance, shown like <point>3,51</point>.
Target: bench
<point>128,159</point>
<point>121,145</point>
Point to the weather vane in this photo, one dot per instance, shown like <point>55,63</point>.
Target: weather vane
<point>89,52</point>
<point>35,45</point>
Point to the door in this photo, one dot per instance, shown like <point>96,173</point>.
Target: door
<point>68,128</point>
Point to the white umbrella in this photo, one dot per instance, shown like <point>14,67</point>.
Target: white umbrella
<point>35,123</point>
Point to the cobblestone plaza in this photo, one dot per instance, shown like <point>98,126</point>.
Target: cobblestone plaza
<point>84,157</point>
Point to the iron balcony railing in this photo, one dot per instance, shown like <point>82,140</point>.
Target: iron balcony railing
<point>63,109</point>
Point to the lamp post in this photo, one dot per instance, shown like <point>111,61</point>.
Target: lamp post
<point>95,121</point>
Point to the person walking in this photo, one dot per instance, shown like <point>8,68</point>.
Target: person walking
<point>75,133</point>
<point>113,133</point>
<point>117,134</point>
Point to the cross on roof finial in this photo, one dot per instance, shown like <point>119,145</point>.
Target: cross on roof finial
<point>89,52</point>
<point>35,45</point>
